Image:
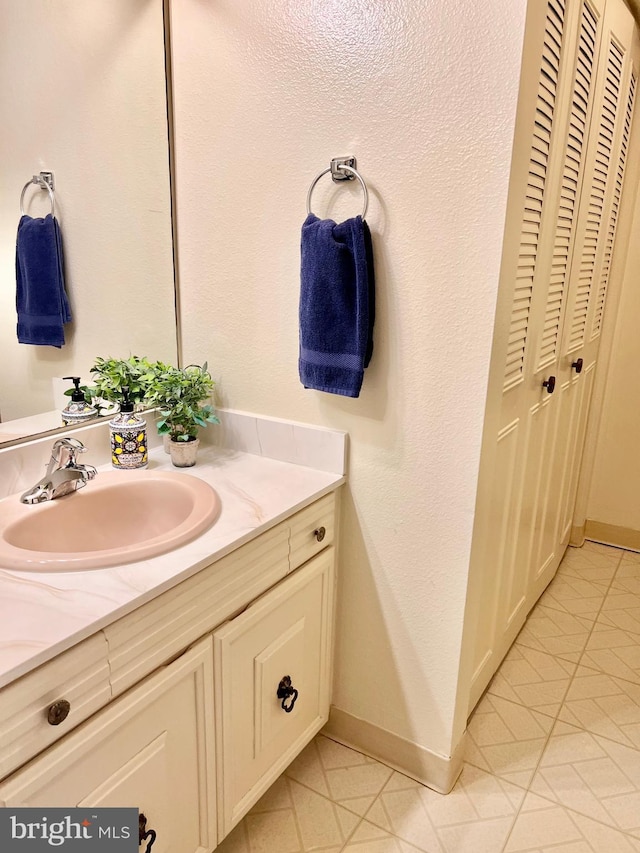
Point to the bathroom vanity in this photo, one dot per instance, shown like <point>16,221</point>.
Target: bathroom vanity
<point>185,684</point>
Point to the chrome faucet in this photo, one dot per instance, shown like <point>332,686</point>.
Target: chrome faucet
<point>64,474</point>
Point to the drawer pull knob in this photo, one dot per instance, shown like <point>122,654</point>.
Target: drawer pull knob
<point>320,533</point>
<point>286,691</point>
<point>58,712</point>
<point>144,833</point>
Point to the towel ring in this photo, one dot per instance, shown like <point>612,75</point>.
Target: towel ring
<point>40,181</point>
<point>352,173</point>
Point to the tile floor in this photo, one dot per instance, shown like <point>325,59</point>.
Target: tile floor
<point>553,758</point>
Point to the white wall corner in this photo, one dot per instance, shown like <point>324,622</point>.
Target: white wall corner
<point>439,772</point>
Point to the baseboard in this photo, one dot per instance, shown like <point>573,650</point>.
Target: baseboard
<point>577,537</point>
<point>435,771</point>
<point>612,534</point>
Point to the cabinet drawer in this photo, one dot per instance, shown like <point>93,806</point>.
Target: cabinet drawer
<point>79,676</point>
<point>312,530</point>
<point>285,633</point>
<point>151,749</point>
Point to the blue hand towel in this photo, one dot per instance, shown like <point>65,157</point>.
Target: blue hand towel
<point>41,300</point>
<point>337,304</point>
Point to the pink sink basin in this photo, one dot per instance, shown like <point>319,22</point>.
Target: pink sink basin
<point>120,517</point>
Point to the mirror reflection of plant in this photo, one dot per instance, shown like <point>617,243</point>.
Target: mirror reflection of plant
<point>180,394</point>
<point>111,375</point>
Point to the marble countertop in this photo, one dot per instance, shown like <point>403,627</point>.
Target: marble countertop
<point>43,613</point>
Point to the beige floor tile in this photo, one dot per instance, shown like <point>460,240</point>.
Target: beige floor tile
<point>591,775</point>
<point>277,797</point>
<point>556,632</point>
<point>307,769</point>
<point>621,607</point>
<point>403,813</point>
<point>273,832</point>
<point>365,780</point>
<point>236,841</point>
<point>321,822</point>
<point>575,595</point>
<point>369,838</point>
<point>474,818</point>
<point>507,739</point>
<point>604,705</point>
<point>477,815</point>
<point>294,819</point>
<point>592,562</point>
<point>533,678</point>
<point>628,576</point>
<point>614,651</point>
<point>545,827</point>
<point>333,754</point>
<point>629,558</point>
<point>339,773</point>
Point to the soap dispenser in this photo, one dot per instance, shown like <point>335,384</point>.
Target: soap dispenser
<point>128,436</point>
<point>77,410</point>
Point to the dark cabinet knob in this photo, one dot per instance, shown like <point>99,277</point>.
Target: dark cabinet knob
<point>145,834</point>
<point>288,693</point>
<point>550,384</point>
<point>320,533</point>
<point>577,365</point>
<point>58,712</point>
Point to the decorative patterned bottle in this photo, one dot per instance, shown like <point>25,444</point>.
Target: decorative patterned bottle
<point>77,410</point>
<point>128,436</point>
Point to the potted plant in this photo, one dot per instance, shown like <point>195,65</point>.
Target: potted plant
<point>111,375</point>
<point>180,395</point>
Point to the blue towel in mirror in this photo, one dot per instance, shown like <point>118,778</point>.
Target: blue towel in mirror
<point>41,299</point>
<point>337,304</point>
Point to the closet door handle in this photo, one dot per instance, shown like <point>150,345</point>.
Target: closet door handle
<point>550,384</point>
<point>577,365</point>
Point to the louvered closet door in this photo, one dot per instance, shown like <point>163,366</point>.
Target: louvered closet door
<point>554,106</point>
<point>550,305</point>
<point>595,240</point>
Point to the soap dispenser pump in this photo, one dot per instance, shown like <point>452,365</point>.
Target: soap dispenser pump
<point>77,410</point>
<point>128,436</point>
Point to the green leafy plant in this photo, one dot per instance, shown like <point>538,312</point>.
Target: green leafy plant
<point>111,375</point>
<point>180,394</point>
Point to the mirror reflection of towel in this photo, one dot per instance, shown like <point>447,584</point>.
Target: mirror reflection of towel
<point>337,304</point>
<point>41,300</point>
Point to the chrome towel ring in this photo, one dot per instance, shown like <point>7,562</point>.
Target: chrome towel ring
<point>342,169</point>
<point>45,181</point>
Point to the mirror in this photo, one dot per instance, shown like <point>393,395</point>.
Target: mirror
<point>83,95</point>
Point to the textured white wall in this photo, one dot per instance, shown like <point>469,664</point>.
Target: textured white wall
<point>424,94</point>
<point>82,94</point>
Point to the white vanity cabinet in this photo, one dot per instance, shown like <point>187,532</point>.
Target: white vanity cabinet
<point>191,730</point>
<point>152,749</point>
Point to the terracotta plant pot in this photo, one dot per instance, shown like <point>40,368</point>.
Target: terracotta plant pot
<point>183,453</point>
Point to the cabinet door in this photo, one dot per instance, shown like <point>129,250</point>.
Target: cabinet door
<point>285,633</point>
<point>152,749</point>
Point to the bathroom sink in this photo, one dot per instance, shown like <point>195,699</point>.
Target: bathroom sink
<point>120,517</point>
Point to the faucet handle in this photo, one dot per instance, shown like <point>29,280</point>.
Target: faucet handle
<point>70,443</point>
<point>63,453</point>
